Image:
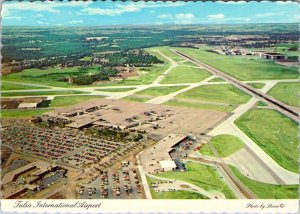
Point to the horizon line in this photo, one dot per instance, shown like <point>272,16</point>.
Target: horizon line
<point>134,25</point>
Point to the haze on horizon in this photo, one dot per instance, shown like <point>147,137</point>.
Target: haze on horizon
<point>73,14</point>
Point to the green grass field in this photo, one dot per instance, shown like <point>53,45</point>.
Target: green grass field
<point>183,74</point>
<point>116,89</point>
<point>180,194</point>
<point>243,68</point>
<point>224,144</point>
<point>181,103</point>
<point>41,93</point>
<point>50,76</point>
<point>189,63</point>
<point>12,86</point>
<point>216,93</point>
<point>166,51</point>
<point>286,92</point>
<point>136,98</point>
<point>22,113</point>
<point>275,133</point>
<point>146,76</point>
<point>203,176</point>
<point>257,85</point>
<point>260,103</point>
<point>71,100</point>
<point>217,79</point>
<point>160,91</point>
<point>267,191</point>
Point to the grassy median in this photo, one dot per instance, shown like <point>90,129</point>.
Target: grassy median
<point>275,133</point>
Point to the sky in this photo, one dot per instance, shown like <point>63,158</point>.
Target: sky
<point>146,13</point>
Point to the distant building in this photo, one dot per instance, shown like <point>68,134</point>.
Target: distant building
<point>167,165</point>
<point>26,105</point>
<point>273,56</point>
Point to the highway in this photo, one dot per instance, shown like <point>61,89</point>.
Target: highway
<point>272,102</point>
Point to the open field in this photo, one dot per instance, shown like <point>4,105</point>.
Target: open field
<point>216,93</point>
<point>267,191</point>
<point>181,103</point>
<point>136,98</point>
<point>50,76</point>
<point>286,92</point>
<point>32,93</point>
<point>160,91</point>
<point>71,100</point>
<point>115,89</point>
<point>179,194</point>
<point>146,76</point>
<point>242,68</point>
<point>203,176</point>
<point>183,74</point>
<point>164,50</point>
<point>224,144</point>
<point>217,79</point>
<point>22,113</point>
<point>12,86</point>
<point>275,133</point>
<point>257,85</point>
<point>260,103</point>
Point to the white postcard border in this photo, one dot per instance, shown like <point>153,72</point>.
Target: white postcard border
<point>150,206</point>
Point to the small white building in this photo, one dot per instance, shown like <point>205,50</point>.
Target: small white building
<point>167,165</point>
<point>25,105</point>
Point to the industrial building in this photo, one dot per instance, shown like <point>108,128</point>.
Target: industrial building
<point>157,158</point>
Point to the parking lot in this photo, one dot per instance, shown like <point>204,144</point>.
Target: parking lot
<point>69,146</point>
<point>120,184</point>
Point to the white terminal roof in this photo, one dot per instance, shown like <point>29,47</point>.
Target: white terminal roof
<point>27,105</point>
<point>167,164</point>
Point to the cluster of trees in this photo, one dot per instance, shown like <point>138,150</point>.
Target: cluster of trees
<point>86,79</point>
<point>114,135</point>
<point>64,61</point>
<point>135,57</point>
